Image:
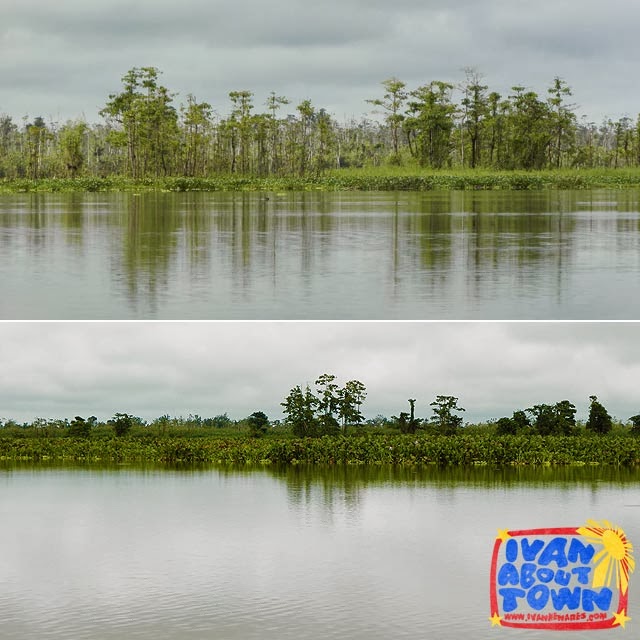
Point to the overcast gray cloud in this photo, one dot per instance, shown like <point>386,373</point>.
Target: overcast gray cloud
<point>149,369</point>
<point>62,59</point>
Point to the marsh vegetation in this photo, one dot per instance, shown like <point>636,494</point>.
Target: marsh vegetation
<point>324,425</point>
<point>438,126</point>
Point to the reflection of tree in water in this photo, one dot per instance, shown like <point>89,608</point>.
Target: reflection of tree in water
<point>472,239</point>
<point>149,243</point>
<point>626,229</point>
<point>40,213</point>
<point>344,486</point>
<point>275,235</point>
<point>240,232</point>
<point>159,235</point>
<point>330,486</point>
<point>196,232</point>
<point>249,230</point>
<point>251,251</point>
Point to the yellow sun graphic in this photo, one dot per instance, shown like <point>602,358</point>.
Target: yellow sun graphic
<point>614,561</point>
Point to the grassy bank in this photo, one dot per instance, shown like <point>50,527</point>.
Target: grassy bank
<point>381,179</point>
<point>460,450</point>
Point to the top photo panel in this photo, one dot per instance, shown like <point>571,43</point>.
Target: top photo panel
<point>442,200</point>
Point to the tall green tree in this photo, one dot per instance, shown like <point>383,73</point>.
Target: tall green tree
<point>122,424</point>
<point>407,422</point>
<point>444,415</point>
<point>402,422</point>
<point>197,124</point>
<point>241,125</point>
<point>328,403</point>
<point>505,426</point>
<point>599,420</point>
<point>562,121</point>
<point>299,408</point>
<point>495,125</point>
<point>79,428</point>
<point>392,103</point>
<point>304,145</point>
<point>430,123</point>
<point>557,419</point>
<point>37,136</point>
<point>258,423</point>
<point>8,146</point>
<point>530,130</point>
<point>475,110</point>
<point>71,141</point>
<point>275,127</point>
<point>325,142</point>
<point>146,122</point>
<point>328,394</point>
<point>350,399</point>
<point>518,423</point>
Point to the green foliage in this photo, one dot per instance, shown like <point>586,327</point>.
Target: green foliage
<point>517,424</point>
<point>122,424</point>
<point>463,449</point>
<point>79,428</point>
<point>197,125</point>
<point>557,419</point>
<point>599,420</point>
<point>562,122</point>
<point>147,123</point>
<point>382,179</point>
<point>430,123</point>
<point>635,425</point>
<point>506,426</point>
<point>392,102</point>
<point>403,422</point>
<point>444,418</point>
<point>327,394</point>
<point>299,408</point>
<point>312,415</point>
<point>258,424</point>
<point>407,422</point>
<point>71,140</point>
<point>475,114</point>
<point>529,130</point>
<point>350,399</point>
<point>144,135</point>
<point>221,421</point>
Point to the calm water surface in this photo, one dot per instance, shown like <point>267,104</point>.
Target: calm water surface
<point>438,255</point>
<point>299,553</point>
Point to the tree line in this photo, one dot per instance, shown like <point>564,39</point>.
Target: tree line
<point>437,125</point>
<point>329,409</point>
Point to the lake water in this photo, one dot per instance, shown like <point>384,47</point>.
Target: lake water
<point>436,255</point>
<point>323,553</point>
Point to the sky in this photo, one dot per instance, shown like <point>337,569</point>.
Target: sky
<point>61,60</point>
<point>63,369</point>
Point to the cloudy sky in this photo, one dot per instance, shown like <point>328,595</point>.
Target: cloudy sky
<point>149,369</point>
<point>62,59</point>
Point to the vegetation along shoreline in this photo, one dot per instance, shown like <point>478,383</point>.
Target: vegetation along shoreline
<point>382,449</point>
<point>384,179</point>
<point>436,127</point>
<point>326,426</point>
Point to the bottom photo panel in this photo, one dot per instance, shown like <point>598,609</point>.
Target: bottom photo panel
<point>318,480</point>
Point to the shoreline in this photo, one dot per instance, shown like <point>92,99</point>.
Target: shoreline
<point>345,180</point>
<point>463,450</point>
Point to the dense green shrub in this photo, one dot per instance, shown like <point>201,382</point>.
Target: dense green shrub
<point>417,449</point>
